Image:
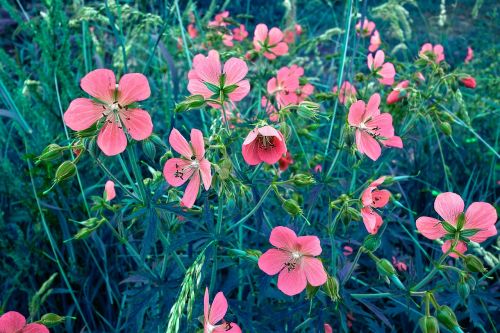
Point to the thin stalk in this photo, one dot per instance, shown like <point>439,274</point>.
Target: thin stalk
<point>356,259</point>
<point>254,209</point>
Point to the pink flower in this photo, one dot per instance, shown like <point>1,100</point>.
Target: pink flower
<point>285,161</point>
<point>294,260</point>
<point>384,72</point>
<point>374,42</point>
<point>470,55</point>
<point>477,224</point>
<point>263,144</point>
<point>469,82</point>
<point>347,92</point>
<point>209,79</point>
<point>420,76</point>
<point>227,40</point>
<point>274,115</point>
<point>373,198</point>
<point>328,328</point>
<point>270,42</point>
<point>191,165</point>
<point>347,250</point>
<point>372,127</point>
<point>436,52</point>
<point>111,109</point>
<point>192,31</point>
<point>318,168</point>
<point>219,20</point>
<point>240,33</point>
<point>298,29</point>
<point>400,265</point>
<point>286,86</point>
<point>109,190</point>
<point>366,29</point>
<point>215,313</point>
<point>14,322</point>
<point>393,96</point>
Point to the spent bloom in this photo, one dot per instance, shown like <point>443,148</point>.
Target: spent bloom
<point>393,96</point>
<point>400,265</point>
<point>263,144</point>
<point>374,42</point>
<point>109,190</point>
<point>14,322</point>
<point>433,53</point>
<point>365,28</point>
<point>372,127</point>
<point>212,80</point>
<point>347,92</point>
<point>191,166</point>
<point>215,313</point>
<point>294,260</point>
<point>384,72</point>
<point>269,41</point>
<point>477,223</point>
<point>240,33</point>
<point>111,108</point>
<point>469,56</point>
<point>371,199</point>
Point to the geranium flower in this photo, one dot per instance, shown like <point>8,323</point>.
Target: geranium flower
<point>366,29</point>
<point>293,258</point>
<point>109,190</point>
<point>477,224</point>
<point>374,42</point>
<point>393,96</point>
<point>220,20</point>
<point>285,161</point>
<point>209,79</point>
<point>469,82</point>
<point>240,33</point>
<point>190,166</point>
<point>384,72</point>
<point>470,55</point>
<point>192,31</point>
<point>435,52</point>
<point>286,86</point>
<point>14,322</point>
<point>269,41</point>
<point>215,313</point>
<point>263,144</point>
<point>371,199</point>
<point>112,105</point>
<point>347,92</point>
<point>372,127</point>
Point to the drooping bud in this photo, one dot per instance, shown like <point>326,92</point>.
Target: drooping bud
<point>445,127</point>
<point>386,269</point>
<point>463,289</point>
<point>308,110</point>
<point>447,318</point>
<point>474,264</point>
<point>428,324</point>
<point>292,207</point>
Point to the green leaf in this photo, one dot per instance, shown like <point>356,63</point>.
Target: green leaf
<point>230,89</point>
<point>212,87</point>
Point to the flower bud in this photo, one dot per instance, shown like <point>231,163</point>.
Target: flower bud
<point>371,243</point>
<point>190,102</point>
<point>302,180</point>
<point>385,268</point>
<point>51,320</point>
<point>463,289</point>
<point>65,171</point>
<point>308,110</point>
<point>332,288</point>
<point>469,82</point>
<point>445,128</point>
<point>292,207</point>
<point>149,149</point>
<point>428,324</point>
<point>51,152</point>
<point>447,318</point>
<point>474,264</point>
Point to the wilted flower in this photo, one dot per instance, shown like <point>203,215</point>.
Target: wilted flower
<point>393,96</point>
<point>347,92</point>
<point>285,161</point>
<point>373,198</point>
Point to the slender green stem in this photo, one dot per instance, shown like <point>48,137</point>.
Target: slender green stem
<point>354,263</point>
<point>254,209</point>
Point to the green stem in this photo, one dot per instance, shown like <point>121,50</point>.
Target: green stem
<point>356,259</point>
<point>254,209</point>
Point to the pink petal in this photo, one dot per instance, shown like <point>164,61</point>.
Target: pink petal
<point>269,56</point>
<point>272,154</point>
<point>235,70</point>
<point>369,61</point>
<point>260,35</point>
<point>250,153</point>
<point>371,220</point>
<point>426,48</point>
<point>133,87</point>
<point>356,113</point>
<point>387,73</point>
<point>368,145</point>
<point>101,84</point>
<point>280,49</point>
<point>449,205</point>
<point>198,144</point>
<point>82,113</point>
<point>179,144</point>
<point>483,216</point>
<point>273,261</point>
<point>35,328</point>
<point>283,238</point>
<point>393,97</point>
<point>315,272</point>
<point>196,87</point>
<point>191,191</point>
<point>223,328</point>
<point>112,139</point>
<point>292,282</point>
<point>275,36</point>
<point>179,167</point>
<point>379,59</point>
<point>251,136</point>
<point>210,68</point>
<point>218,309</point>
<point>430,227</point>
<point>206,174</point>
<point>269,131</point>
<point>439,52</point>
<point>239,93</point>
<point>484,234</point>
<point>109,189</point>
<point>11,322</point>
<point>383,123</point>
<point>206,304</point>
<point>461,247</point>
<point>366,196</point>
<point>394,141</point>
<point>379,181</point>
<point>372,108</point>
<point>328,328</point>
<point>271,86</point>
<point>138,123</point>
<point>309,245</point>
<point>380,198</point>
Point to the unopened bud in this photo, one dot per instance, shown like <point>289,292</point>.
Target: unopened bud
<point>463,289</point>
<point>428,324</point>
<point>302,180</point>
<point>371,243</point>
<point>149,149</point>
<point>191,102</point>
<point>445,128</point>
<point>447,318</point>
<point>51,152</point>
<point>292,207</point>
<point>385,268</point>
<point>474,264</point>
<point>51,319</point>
<point>332,288</point>
<point>65,171</point>
<point>308,110</point>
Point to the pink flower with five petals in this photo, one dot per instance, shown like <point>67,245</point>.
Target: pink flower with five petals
<point>215,313</point>
<point>263,144</point>
<point>384,72</point>
<point>269,41</point>
<point>365,29</point>
<point>371,199</point>
<point>437,52</point>
<point>240,33</point>
<point>14,322</point>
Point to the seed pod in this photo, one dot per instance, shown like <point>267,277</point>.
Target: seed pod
<point>149,149</point>
<point>474,264</point>
<point>51,152</point>
<point>385,268</point>
<point>65,171</point>
<point>371,243</point>
<point>332,288</point>
<point>51,320</point>
<point>447,318</point>
<point>463,289</point>
<point>445,128</point>
<point>292,207</point>
<point>302,180</point>
<point>428,324</point>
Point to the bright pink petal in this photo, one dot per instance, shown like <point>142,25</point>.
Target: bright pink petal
<point>394,141</point>
<point>112,139</point>
<point>272,154</point>
<point>366,144</point>
<point>35,328</point>
<point>387,73</point>
<point>206,174</point>
<point>251,136</point>
<point>138,123</point>
<point>283,238</point>
<point>366,196</point>
<point>275,36</point>
<point>315,272</point>
<point>381,125</point>
<point>377,182</point>
<point>177,171</point>
<point>133,87</point>
<point>209,68</point>
<point>206,304</point>
<point>328,328</point>
<point>251,153</point>
<point>449,205</point>
<point>82,113</point>
<point>273,261</point>
<point>356,113</point>
<point>371,220</point>
<point>379,59</point>
<point>218,308</point>
<point>269,56</point>
<point>484,234</point>
<point>235,70</point>
<point>179,144</point>
<point>109,189</point>
<point>280,49</point>
<point>198,144</point>
<point>461,247</point>
<point>292,282</point>
<point>269,131</point>
<point>439,52</point>
<point>483,216</point>
<point>426,48</point>
<point>239,93</point>
<point>372,108</point>
<point>196,87</point>
<point>309,245</point>
<point>223,328</point>
<point>369,62</point>
<point>430,227</point>
<point>260,35</point>
<point>101,84</point>
<point>191,191</point>
<point>11,322</point>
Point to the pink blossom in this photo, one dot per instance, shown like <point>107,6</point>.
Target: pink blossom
<point>192,31</point>
<point>347,250</point>
<point>14,322</point>
<point>318,168</point>
<point>294,260</point>
<point>469,82</point>
<point>384,72</point>
<point>400,265</point>
<point>109,190</point>
<point>393,96</point>
<point>298,29</point>
<point>269,41</point>
<point>470,55</point>
<point>366,29</point>
<point>263,144</point>
<point>328,328</point>
<point>286,86</point>
<point>215,313</point>
<point>372,127</point>
<point>371,199</point>
<point>191,166</point>
<point>476,224</point>
<point>436,51</point>
<point>240,33</point>
<point>285,161</point>
<point>347,92</point>
<point>211,80</point>
<point>111,109</point>
<point>220,20</point>
<point>374,42</point>
<point>271,111</point>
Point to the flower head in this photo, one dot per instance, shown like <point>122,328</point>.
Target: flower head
<point>372,127</point>
<point>192,165</point>
<point>111,108</point>
<point>215,313</point>
<point>432,53</point>
<point>14,322</point>
<point>373,198</point>
<point>365,28</point>
<point>393,96</point>
<point>269,41</point>
<point>240,33</point>
<point>263,144</point>
<point>109,190</point>
<point>477,224</point>
<point>347,92</point>
<point>294,260</point>
<point>385,72</point>
<point>374,42</point>
<point>286,86</point>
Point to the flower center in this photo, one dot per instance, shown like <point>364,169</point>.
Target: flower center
<point>266,142</point>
